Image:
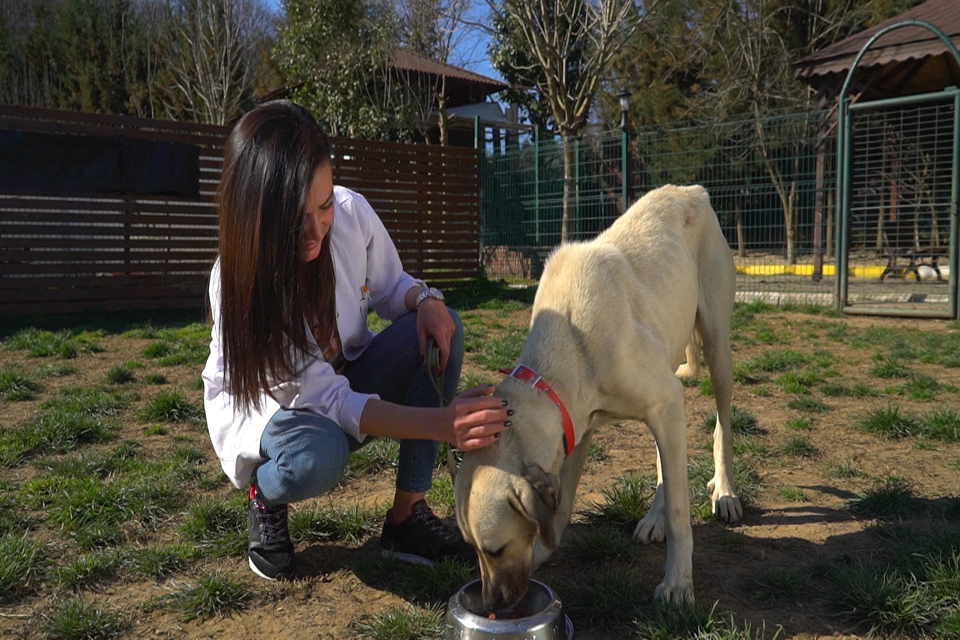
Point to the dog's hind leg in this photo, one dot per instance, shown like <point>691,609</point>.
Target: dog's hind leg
<point>715,330</point>
<point>667,420</point>
<point>650,528</point>
<point>690,370</point>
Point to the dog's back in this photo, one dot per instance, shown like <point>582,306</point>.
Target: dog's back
<point>670,236</point>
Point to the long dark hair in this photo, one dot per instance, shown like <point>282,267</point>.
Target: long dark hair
<point>270,297</point>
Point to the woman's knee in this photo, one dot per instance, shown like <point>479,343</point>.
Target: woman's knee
<point>309,459</point>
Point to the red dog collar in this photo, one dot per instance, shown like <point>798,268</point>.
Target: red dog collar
<point>523,373</point>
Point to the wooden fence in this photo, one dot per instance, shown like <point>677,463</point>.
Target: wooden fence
<point>69,252</point>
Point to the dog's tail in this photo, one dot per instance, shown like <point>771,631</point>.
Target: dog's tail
<point>690,370</point>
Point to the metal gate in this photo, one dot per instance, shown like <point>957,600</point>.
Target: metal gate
<point>898,172</point>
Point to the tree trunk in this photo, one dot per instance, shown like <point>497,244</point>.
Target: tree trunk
<point>831,222</point>
<point>569,185</point>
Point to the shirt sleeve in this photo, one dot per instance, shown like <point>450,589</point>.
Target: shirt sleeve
<point>317,387</point>
<point>388,283</point>
<point>327,393</point>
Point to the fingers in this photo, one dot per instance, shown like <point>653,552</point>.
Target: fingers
<point>479,437</point>
<point>480,419</point>
<point>478,391</point>
<point>422,338</point>
<point>444,353</point>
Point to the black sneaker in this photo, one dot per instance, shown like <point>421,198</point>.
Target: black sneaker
<point>269,551</point>
<point>423,539</point>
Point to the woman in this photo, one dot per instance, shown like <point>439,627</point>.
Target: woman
<point>295,380</point>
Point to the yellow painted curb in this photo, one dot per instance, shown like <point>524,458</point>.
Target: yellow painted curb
<point>805,270</point>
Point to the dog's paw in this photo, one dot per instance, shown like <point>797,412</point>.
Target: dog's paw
<point>728,509</point>
<point>674,594</point>
<point>650,529</point>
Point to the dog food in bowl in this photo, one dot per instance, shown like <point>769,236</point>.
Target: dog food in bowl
<point>538,616</point>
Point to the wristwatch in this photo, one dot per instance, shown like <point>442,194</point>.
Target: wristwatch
<point>430,292</point>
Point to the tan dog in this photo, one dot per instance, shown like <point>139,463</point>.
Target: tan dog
<point>612,321</point>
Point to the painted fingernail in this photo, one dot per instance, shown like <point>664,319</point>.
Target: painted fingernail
<point>509,412</point>
<point>504,403</point>
<point>507,424</point>
<point>496,435</point>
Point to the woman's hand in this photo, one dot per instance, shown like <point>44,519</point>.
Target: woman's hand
<point>433,319</point>
<point>477,418</point>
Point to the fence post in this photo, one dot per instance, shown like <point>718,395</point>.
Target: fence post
<point>536,185</point>
<point>624,169</point>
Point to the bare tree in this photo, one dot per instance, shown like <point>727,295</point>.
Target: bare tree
<point>433,29</point>
<point>550,35</point>
<point>212,56</point>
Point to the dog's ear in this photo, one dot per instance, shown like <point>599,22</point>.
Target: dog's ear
<point>537,498</point>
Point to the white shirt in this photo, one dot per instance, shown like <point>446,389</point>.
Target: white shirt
<point>368,274</point>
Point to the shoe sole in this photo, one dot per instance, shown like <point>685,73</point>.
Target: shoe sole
<point>279,576</point>
<point>409,558</point>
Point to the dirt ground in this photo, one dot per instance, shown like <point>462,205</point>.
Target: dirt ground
<point>332,594</point>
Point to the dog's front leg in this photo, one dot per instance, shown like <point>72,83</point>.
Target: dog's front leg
<point>669,426</point>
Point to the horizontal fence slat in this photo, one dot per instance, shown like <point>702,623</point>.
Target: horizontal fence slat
<point>76,251</point>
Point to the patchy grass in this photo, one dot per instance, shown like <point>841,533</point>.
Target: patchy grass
<point>214,595</point>
<point>890,497</point>
<point>401,622</point>
<point>108,486</point>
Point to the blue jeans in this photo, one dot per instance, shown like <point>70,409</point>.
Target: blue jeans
<point>306,453</point>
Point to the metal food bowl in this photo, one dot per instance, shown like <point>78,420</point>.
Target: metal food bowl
<point>541,611</point>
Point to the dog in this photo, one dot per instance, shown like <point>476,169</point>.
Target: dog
<point>612,322</point>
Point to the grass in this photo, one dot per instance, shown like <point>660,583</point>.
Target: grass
<point>17,387</point>
<point>498,353</point>
<point>59,430</point>
<point>742,423</point>
<point>807,405</point>
<point>401,622</point>
<point>881,601</point>
<point>78,618</point>
<point>605,598</point>
<point>217,526</point>
<point>773,586</point>
<point>844,470</point>
<point>889,422</point>
<point>890,497</point>
<point>121,374</point>
<point>793,494</point>
<point>68,343</point>
<point>23,563</point>
<point>214,595</point>
<point>889,369</point>
<point>171,406</point>
<point>373,458</point>
<point>624,503</point>
<point>108,485</point>
<point>334,523</point>
<point>799,446</point>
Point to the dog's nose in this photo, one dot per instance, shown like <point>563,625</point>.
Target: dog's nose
<point>503,595</point>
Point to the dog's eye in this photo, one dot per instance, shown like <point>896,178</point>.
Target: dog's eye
<point>497,553</point>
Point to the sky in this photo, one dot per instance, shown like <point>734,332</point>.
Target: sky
<point>471,53</point>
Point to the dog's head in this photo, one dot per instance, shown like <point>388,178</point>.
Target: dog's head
<point>503,507</point>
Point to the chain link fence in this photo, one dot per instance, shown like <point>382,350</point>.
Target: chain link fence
<point>772,182</point>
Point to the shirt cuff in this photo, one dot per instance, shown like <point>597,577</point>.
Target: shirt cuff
<point>350,413</point>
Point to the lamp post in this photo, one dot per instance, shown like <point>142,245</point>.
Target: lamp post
<point>623,96</point>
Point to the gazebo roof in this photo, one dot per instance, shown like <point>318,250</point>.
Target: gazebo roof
<point>904,61</point>
<point>463,86</point>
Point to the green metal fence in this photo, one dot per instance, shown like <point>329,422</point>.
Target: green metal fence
<point>898,192</point>
<point>771,181</point>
